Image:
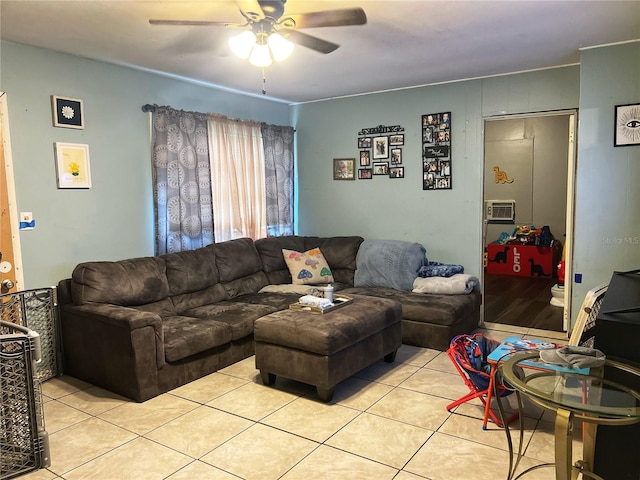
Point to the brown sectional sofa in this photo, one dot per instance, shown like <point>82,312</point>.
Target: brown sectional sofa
<point>144,326</point>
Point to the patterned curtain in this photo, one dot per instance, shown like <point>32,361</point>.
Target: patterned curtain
<point>278,154</point>
<point>237,172</point>
<point>182,180</point>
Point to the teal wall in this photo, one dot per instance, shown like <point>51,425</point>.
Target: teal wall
<point>447,222</point>
<point>113,219</point>
<point>607,220</point>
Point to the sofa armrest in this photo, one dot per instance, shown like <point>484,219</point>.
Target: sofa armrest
<point>113,347</point>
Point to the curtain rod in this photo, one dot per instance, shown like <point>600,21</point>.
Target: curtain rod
<point>152,108</point>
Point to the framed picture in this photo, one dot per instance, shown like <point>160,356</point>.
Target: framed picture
<point>436,151</point>
<point>380,168</point>
<point>365,174</point>
<point>396,156</point>
<point>67,112</point>
<point>397,139</point>
<point>364,142</point>
<point>72,165</point>
<point>365,158</point>
<point>627,125</point>
<point>344,168</point>
<point>396,172</point>
<point>380,147</point>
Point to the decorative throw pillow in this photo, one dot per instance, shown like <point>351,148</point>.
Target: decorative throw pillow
<point>307,268</point>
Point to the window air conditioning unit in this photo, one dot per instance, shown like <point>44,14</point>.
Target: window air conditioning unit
<point>500,210</point>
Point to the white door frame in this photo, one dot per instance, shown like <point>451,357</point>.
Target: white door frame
<point>572,162</point>
<point>11,191</point>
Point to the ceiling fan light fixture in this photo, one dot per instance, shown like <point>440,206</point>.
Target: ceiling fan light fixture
<point>280,47</point>
<point>260,55</point>
<point>243,43</point>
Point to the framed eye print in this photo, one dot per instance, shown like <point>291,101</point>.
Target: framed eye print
<point>365,174</point>
<point>380,168</point>
<point>67,112</point>
<point>72,165</point>
<point>396,172</point>
<point>380,147</point>
<point>344,168</point>
<point>365,158</point>
<point>627,125</point>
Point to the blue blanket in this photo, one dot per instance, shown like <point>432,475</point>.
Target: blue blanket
<point>389,263</point>
<point>437,269</point>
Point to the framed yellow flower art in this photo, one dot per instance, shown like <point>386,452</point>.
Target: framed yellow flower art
<point>72,165</point>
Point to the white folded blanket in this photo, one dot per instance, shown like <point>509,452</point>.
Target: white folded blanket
<point>457,284</point>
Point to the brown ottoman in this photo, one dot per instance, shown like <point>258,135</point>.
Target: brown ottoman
<point>324,349</point>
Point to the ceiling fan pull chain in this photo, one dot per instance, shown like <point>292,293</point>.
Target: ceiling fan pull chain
<point>264,83</point>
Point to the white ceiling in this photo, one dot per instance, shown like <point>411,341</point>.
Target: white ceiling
<point>404,43</point>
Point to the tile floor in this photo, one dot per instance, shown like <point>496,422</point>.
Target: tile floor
<point>387,422</point>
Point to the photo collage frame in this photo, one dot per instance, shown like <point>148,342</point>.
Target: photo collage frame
<point>381,152</point>
<point>436,151</point>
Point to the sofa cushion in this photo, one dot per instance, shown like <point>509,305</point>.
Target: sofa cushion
<point>307,268</point>
<point>341,253</point>
<point>185,336</point>
<point>126,282</point>
<point>270,251</point>
<point>237,315</point>
<point>191,270</point>
<point>240,267</point>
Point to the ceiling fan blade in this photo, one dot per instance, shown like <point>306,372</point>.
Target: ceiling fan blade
<point>251,9</point>
<point>314,43</point>
<point>200,23</point>
<point>330,18</point>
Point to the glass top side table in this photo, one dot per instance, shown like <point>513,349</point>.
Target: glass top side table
<point>606,395</point>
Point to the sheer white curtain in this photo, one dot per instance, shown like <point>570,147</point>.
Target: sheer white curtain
<point>237,178</point>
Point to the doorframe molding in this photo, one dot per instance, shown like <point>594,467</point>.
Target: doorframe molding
<point>572,154</point>
<point>11,191</point>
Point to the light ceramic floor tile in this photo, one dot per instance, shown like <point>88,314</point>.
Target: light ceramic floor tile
<point>434,382</point>
<point>442,363</point>
<point>328,463</point>
<point>260,453</point>
<point>140,459</point>
<point>83,442</point>
<point>42,474</point>
<point>494,436</point>
<point>541,446</point>
<point>402,475</point>
<point>311,419</point>
<point>201,471</point>
<point>412,355</point>
<point>381,439</point>
<point>94,400</point>
<point>141,418</point>
<point>252,401</point>
<point>207,388</point>
<point>358,393</point>
<point>245,369</point>
<point>388,373</point>
<point>414,408</point>
<point>57,416</point>
<point>60,386</point>
<point>444,457</point>
<point>199,431</point>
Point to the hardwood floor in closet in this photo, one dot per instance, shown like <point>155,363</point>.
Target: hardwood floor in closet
<point>522,301</point>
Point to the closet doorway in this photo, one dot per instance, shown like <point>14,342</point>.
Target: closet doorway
<point>529,163</point>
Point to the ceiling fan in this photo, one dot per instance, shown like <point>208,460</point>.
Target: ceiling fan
<point>266,19</point>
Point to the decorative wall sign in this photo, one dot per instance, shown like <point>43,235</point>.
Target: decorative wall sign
<point>627,125</point>
<point>501,176</point>
<point>436,151</point>
<point>72,165</point>
<point>67,112</point>
<point>344,168</point>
